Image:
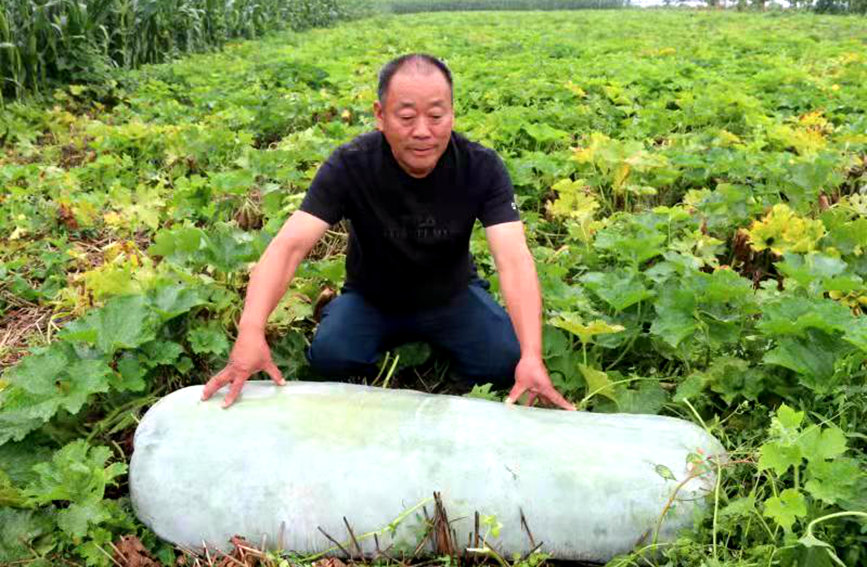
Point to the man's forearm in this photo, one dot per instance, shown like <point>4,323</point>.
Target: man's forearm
<point>520,288</point>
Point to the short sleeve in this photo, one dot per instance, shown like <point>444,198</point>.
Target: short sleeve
<point>326,196</point>
<point>498,201</point>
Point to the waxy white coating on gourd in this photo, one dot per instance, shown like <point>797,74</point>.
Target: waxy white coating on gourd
<point>284,461</point>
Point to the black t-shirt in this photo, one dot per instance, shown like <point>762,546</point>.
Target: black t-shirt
<point>408,237</point>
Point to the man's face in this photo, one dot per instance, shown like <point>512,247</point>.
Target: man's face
<point>416,119</point>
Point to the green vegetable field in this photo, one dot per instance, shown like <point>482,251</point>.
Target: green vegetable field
<point>693,184</point>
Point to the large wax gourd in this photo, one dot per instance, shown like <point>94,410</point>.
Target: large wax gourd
<point>284,462</point>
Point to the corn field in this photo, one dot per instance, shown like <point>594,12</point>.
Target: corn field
<point>62,41</point>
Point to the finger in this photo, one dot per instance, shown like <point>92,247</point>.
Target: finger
<point>531,398</point>
<point>234,390</point>
<point>218,381</point>
<point>274,373</point>
<point>558,400</point>
<point>516,392</point>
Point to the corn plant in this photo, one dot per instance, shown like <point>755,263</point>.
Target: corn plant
<point>62,41</point>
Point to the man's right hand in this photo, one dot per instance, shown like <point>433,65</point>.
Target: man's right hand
<point>249,355</point>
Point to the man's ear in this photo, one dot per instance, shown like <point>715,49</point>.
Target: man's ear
<point>378,113</point>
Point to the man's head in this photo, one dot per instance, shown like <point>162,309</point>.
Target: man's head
<point>414,111</point>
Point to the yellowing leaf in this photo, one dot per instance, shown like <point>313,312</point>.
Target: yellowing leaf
<point>815,121</point>
<point>803,140</point>
<point>597,382</point>
<point>783,231</point>
<point>570,322</point>
<point>620,176</point>
<point>573,202</point>
<point>726,138</point>
<point>577,206</point>
<point>578,91</point>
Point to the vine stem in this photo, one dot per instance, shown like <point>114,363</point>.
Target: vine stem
<point>695,473</point>
<point>586,398</point>
<point>828,546</point>
<point>695,413</point>
<point>831,517</point>
<point>716,504</point>
<point>390,371</point>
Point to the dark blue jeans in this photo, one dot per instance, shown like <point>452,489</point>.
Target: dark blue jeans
<point>472,328</point>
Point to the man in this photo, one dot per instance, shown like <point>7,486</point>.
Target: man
<point>412,191</point>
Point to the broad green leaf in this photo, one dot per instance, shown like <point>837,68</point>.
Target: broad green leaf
<point>76,473</point>
<point>9,494</point>
<point>169,301</point>
<point>620,289</point>
<point>778,457</point>
<point>630,241</point>
<point>692,386</point>
<point>210,338</point>
<point>131,374</point>
<point>597,382</point>
<point>17,460</point>
<point>116,278</point>
<point>44,382</point>
<point>38,373</point>
<point>483,392</point>
<point>849,237</point>
<point>161,353</point>
<point>413,354</point>
<point>812,270</point>
<point>75,519</point>
<point>834,482</point>
<point>18,530</point>
<point>22,412</point>
<point>554,340</point>
<point>228,251</point>
<point>786,508</point>
<point>647,398</point>
<point>856,334</point>
<point>733,377</point>
<point>795,315</point>
<point>813,357</point>
<point>822,443</point>
<point>742,507</point>
<point>789,418</point>
<point>83,378</point>
<point>123,323</point>
<point>675,319</point>
<point>178,245</point>
<point>807,556</point>
<point>564,372</point>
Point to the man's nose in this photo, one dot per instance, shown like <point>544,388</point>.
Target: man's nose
<point>422,129</point>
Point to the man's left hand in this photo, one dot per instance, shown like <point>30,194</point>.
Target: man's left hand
<point>531,376</point>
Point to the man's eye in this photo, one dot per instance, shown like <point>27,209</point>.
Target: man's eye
<point>406,118</point>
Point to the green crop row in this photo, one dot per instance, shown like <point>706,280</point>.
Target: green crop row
<point>64,41</point>
<point>412,6</point>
